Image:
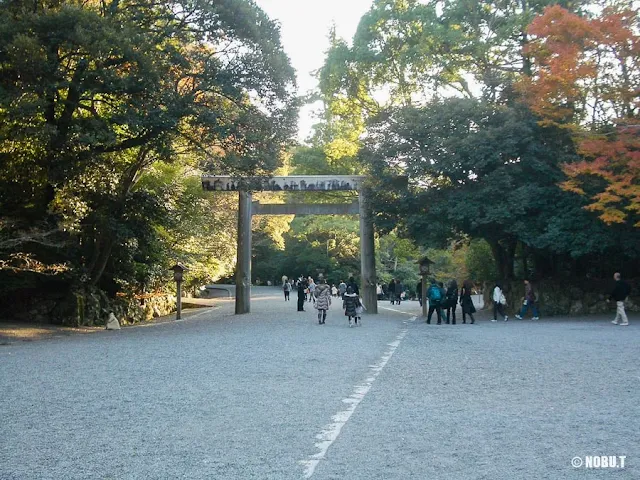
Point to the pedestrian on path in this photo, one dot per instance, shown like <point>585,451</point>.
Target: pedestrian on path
<point>434,294</point>
<point>354,286</point>
<point>392,291</point>
<point>342,288</point>
<point>619,295</point>
<point>312,289</point>
<point>399,291</point>
<point>359,311</point>
<point>529,301</point>
<point>322,294</point>
<point>467,302</point>
<point>302,288</point>
<point>287,290</point>
<point>334,290</point>
<point>349,304</point>
<point>499,301</point>
<point>443,296</point>
<point>451,301</point>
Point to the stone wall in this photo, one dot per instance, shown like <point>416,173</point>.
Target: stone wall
<point>86,308</point>
<point>567,296</point>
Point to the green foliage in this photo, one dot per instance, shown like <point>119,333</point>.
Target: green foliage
<point>109,112</point>
<point>488,171</point>
<point>480,263</point>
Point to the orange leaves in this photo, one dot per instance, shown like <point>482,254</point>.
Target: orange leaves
<point>615,159</point>
<point>586,78</point>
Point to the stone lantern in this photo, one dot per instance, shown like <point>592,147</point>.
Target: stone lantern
<point>178,273</point>
<point>425,267</point>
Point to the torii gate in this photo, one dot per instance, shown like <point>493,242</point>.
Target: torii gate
<point>302,183</point>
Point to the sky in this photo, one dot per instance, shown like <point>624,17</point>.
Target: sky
<point>305,26</point>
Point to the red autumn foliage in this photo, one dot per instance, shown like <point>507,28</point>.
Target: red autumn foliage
<point>586,78</point>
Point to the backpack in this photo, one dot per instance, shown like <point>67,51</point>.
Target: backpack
<point>435,295</point>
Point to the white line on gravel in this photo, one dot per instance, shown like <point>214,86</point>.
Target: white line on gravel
<point>331,431</point>
<point>399,311</point>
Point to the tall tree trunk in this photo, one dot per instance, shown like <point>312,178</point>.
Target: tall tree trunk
<point>106,240</point>
<point>503,256</point>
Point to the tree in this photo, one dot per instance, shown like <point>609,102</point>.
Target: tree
<point>486,171</point>
<point>586,79</point>
<point>94,93</point>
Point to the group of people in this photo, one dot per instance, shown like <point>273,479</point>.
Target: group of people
<point>443,301</point>
<point>321,296</point>
<point>395,291</point>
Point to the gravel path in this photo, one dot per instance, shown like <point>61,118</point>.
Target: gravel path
<point>259,396</point>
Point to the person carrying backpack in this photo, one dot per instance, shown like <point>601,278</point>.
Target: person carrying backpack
<point>434,294</point>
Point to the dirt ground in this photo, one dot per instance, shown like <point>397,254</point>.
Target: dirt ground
<point>11,332</point>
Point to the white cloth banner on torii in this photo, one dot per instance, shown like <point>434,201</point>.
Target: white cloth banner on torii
<point>290,183</point>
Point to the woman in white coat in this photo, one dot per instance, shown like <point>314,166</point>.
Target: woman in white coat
<point>499,300</point>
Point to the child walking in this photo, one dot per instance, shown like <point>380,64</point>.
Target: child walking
<point>350,304</point>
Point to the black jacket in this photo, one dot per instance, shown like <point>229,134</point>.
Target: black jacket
<point>621,291</point>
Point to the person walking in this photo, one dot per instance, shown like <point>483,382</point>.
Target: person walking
<point>392,290</point>
<point>302,288</point>
<point>350,303</point>
<point>352,283</point>
<point>499,301</point>
<point>322,294</point>
<point>443,296</point>
<point>334,290</point>
<point>434,294</point>
<point>342,288</point>
<point>529,301</point>
<point>399,291</point>
<point>451,301</point>
<point>467,302</point>
<point>312,289</point>
<point>619,295</point>
<point>286,286</point>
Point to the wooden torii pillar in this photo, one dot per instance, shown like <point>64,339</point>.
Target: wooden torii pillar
<point>311,183</point>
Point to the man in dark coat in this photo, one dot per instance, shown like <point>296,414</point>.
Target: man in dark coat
<point>354,286</point>
<point>619,295</point>
<point>392,290</point>
<point>302,287</point>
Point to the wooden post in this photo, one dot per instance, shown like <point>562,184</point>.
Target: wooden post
<point>179,300</point>
<point>367,254</point>
<point>243,266</point>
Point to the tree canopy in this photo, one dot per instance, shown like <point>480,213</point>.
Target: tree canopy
<point>106,107</point>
